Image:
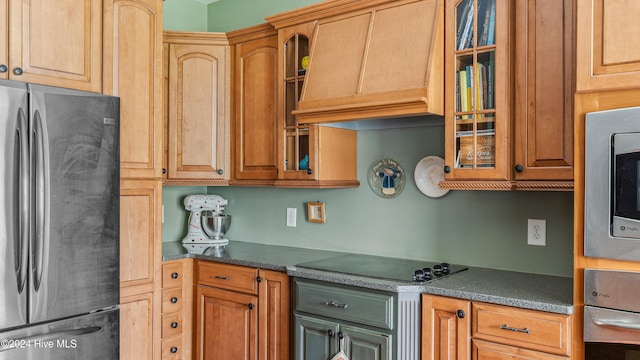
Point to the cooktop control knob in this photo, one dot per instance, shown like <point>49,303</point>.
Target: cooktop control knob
<point>418,275</point>
<point>428,275</point>
<point>446,268</point>
<point>437,270</point>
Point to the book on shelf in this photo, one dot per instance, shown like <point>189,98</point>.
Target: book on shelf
<point>483,132</point>
<point>490,80</point>
<point>465,37</point>
<point>481,87</point>
<point>464,105</point>
<point>458,106</point>
<point>492,24</point>
<point>470,86</point>
<point>484,22</point>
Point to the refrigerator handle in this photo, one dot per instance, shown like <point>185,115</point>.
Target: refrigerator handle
<point>10,344</point>
<point>22,241</point>
<point>40,193</point>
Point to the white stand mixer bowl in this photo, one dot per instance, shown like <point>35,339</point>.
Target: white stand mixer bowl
<point>215,225</point>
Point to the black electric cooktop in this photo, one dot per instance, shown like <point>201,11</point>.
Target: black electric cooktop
<point>380,267</point>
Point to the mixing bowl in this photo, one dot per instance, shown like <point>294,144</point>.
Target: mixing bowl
<point>215,225</point>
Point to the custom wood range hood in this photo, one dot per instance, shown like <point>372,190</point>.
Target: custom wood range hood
<point>373,59</point>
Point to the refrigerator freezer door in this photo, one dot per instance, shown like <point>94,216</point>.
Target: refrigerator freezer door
<point>75,202</point>
<point>88,337</point>
<point>14,217</point>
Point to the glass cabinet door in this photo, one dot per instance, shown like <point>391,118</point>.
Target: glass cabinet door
<point>476,94</point>
<point>297,139</point>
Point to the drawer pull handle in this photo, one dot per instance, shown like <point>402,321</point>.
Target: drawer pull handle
<point>174,325</point>
<point>174,300</point>
<point>174,350</point>
<point>507,327</point>
<point>174,275</point>
<point>222,277</point>
<point>617,324</point>
<point>335,304</point>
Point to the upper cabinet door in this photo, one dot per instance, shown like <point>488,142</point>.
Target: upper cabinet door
<point>544,90</point>
<point>198,142</point>
<point>607,58</point>
<point>56,43</point>
<point>254,107</point>
<point>134,73</point>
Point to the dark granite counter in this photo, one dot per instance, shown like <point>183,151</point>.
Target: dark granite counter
<point>523,290</point>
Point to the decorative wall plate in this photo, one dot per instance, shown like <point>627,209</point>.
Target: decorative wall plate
<point>429,172</point>
<point>386,178</point>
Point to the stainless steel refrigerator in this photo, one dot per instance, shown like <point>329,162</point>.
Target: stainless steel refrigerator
<point>59,226</point>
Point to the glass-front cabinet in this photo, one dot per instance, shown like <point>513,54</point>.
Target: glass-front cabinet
<point>296,150</point>
<point>476,109</point>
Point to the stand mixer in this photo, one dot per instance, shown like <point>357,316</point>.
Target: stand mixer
<point>207,223</point>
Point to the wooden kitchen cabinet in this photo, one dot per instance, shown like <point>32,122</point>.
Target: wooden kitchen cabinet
<point>140,253</point>
<point>254,54</point>
<point>198,138</point>
<point>57,43</point>
<point>241,312</point>
<point>318,339</point>
<point>544,88</point>
<point>606,58</point>
<point>134,73</point>
<point>308,155</point>
<point>486,331</point>
<point>446,328</point>
<point>177,315</point>
<point>509,111</point>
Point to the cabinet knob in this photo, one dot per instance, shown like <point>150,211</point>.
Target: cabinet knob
<point>251,306</point>
<point>174,275</point>
<point>447,169</point>
<point>259,279</point>
<point>220,172</point>
<point>3,68</point>
<point>309,171</point>
<point>174,325</point>
<point>17,71</point>
<point>174,300</point>
<point>174,350</point>
<point>164,171</point>
<point>460,314</point>
<point>330,333</point>
<point>518,168</point>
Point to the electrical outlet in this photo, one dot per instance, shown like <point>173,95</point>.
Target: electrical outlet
<point>537,232</point>
<point>291,217</point>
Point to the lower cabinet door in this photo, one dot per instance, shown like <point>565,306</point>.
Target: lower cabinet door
<point>318,339</point>
<point>363,344</point>
<point>227,325</point>
<point>314,339</point>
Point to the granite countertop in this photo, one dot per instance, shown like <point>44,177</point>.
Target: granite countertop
<point>523,290</point>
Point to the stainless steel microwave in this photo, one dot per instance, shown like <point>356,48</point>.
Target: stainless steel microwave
<point>612,184</point>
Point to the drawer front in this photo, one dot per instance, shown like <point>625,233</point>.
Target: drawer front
<point>230,277</point>
<point>483,350</point>
<point>172,275</point>
<point>172,300</point>
<point>360,306</point>
<point>522,328</point>
<point>171,324</point>
<point>172,348</point>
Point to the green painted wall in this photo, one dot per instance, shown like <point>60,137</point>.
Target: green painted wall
<point>184,15</point>
<point>227,15</point>
<point>477,228</point>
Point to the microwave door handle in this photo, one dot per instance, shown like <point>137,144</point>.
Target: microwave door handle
<point>22,243</point>
<point>617,324</point>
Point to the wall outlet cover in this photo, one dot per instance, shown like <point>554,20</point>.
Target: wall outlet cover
<point>537,232</point>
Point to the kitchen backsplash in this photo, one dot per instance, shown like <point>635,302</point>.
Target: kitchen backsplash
<point>475,228</point>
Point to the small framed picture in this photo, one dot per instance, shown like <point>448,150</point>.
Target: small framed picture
<point>315,212</point>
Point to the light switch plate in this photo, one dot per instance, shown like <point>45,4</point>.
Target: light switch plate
<point>291,217</point>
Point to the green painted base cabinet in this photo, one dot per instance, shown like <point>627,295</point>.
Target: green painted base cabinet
<point>375,325</point>
<point>317,339</point>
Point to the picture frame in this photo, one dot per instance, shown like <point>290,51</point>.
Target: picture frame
<point>315,212</point>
